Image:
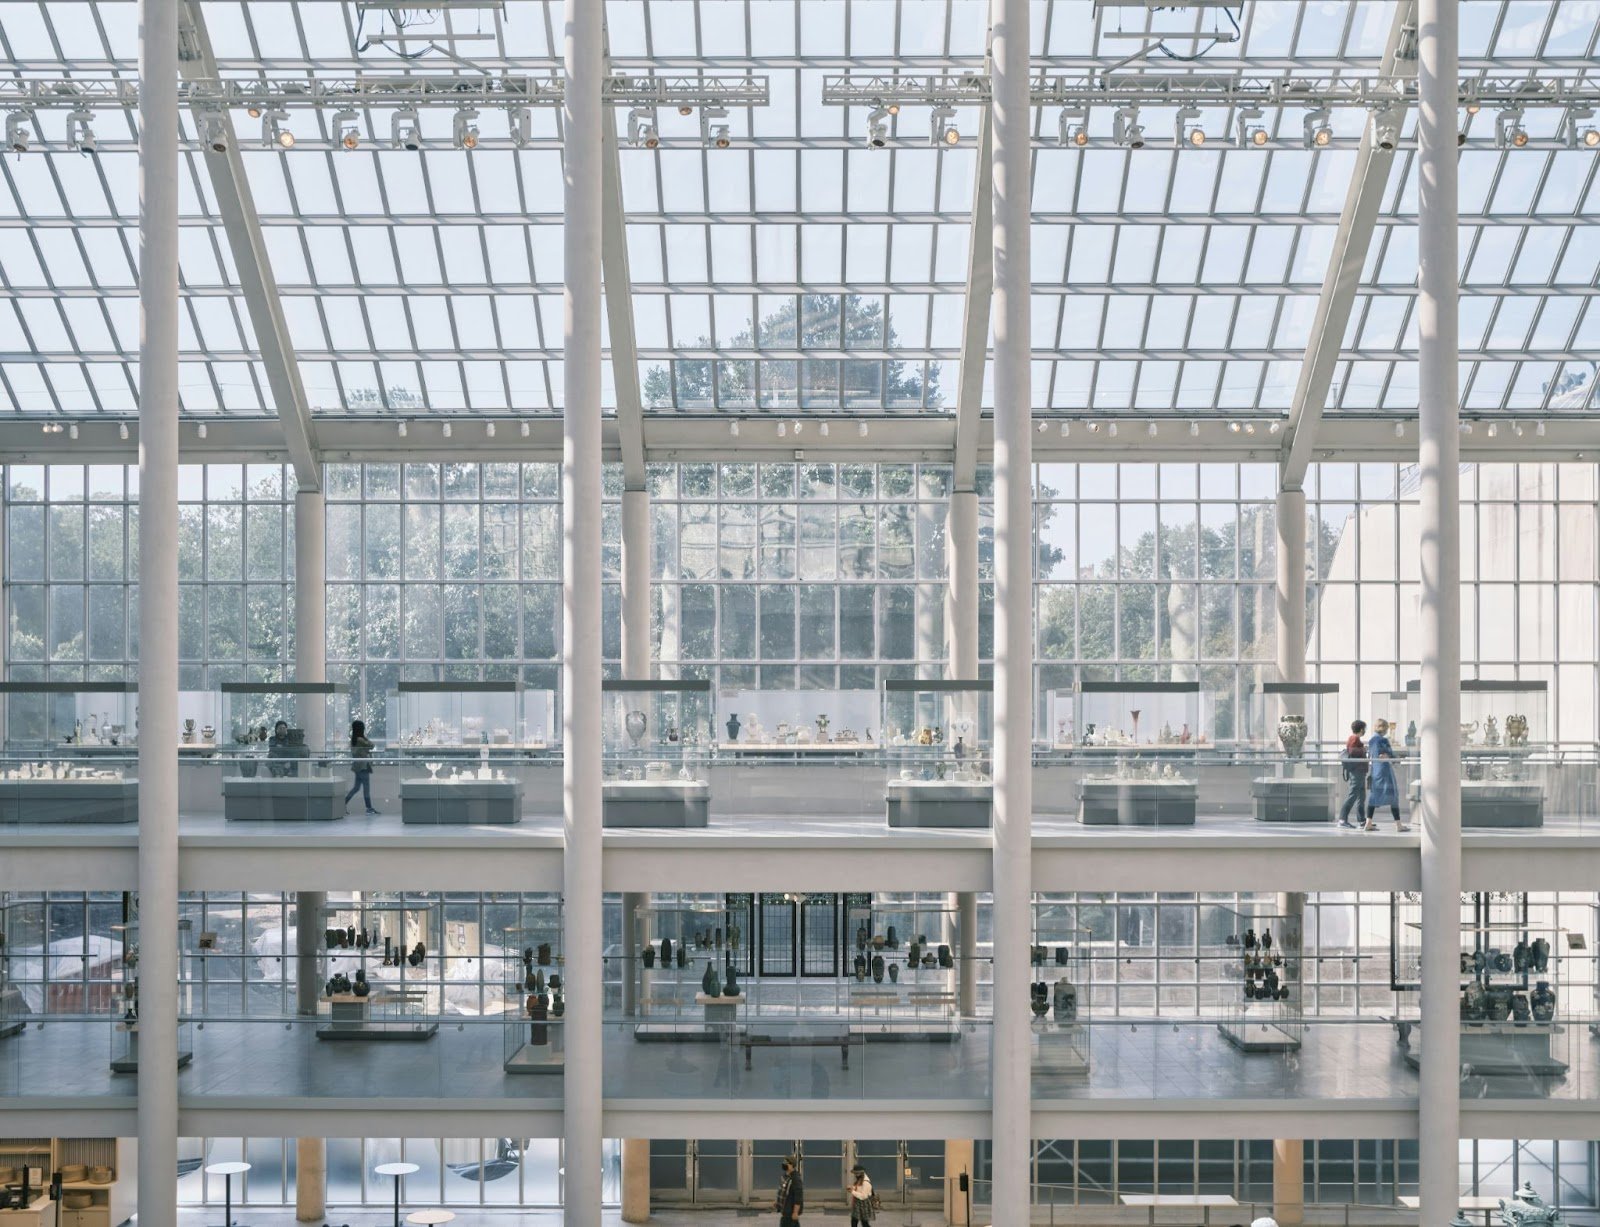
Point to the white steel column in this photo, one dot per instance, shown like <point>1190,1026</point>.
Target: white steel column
<point>961,584</point>
<point>311,608</point>
<point>582,118</point>
<point>1013,620</point>
<point>636,584</point>
<point>158,628</point>
<point>1291,629</point>
<point>1439,634</point>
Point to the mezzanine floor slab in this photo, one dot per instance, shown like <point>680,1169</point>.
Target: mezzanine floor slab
<point>239,1063</point>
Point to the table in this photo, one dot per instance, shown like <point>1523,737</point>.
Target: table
<point>430,1218</point>
<point>1488,1205</point>
<point>1155,1201</point>
<point>397,1170</point>
<point>227,1171</point>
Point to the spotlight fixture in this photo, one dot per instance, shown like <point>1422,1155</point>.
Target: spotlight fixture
<point>405,129</point>
<point>1274,428</point>
<point>783,430</point>
<point>942,128</point>
<point>1538,429</point>
<point>1251,133</point>
<point>1466,428</point>
<point>1042,427</point>
<point>1508,130</point>
<point>520,120</point>
<point>1194,430</point>
<point>17,133</point>
<point>1126,129</point>
<point>80,134</point>
<point>1111,429</point>
<point>1249,428</point>
<point>447,431</point>
<point>214,132</point>
<point>1233,427</point>
<point>1474,106</point>
<point>1494,430</point>
<point>1384,126</point>
<point>861,429</point>
<point>122,431</point>
<point>1399,430</point>
<point>400,428</point>
<point>733,429</point>
<point>1318,134</point>
<point>1151,430</point>
<point>524,430</point>
<point>685,110</point>
<point>488,430</point>
<point>464,129</point>
<point>1578,133</point>
<point>1516,428</point>
<point>878,127</point>
<point>275,130</point>
<point>1066,429</point>
<point>642,130</point>
<point>347,129</point>
<point>711,133</point>
<point>798,427</point>
<point>253,110</point>
<point>1073,126</point>
<point>72,430</point>
<point>1187,132</point>
<point>1094,428</point>
<point>822,429</point>
<point>200,430</point>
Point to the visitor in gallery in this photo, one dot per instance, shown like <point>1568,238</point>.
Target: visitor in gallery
<point>278,747</point>
<point>1382,787</point>
<point>863,1202</point>
<point>791,1196</point>
<point>1354,765</point>
<point>361,762</point>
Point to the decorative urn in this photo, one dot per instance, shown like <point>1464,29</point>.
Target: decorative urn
<point>1292,734</point>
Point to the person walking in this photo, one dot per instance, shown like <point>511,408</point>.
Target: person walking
<point>791,1195</point>
<point>361,762</point>
<point>1354,766</point>
<point>863,1201</point>
<point>1382,786</point>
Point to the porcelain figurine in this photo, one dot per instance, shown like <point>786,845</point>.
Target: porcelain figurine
<point>1292,734</point>
<point>1491,732</point>
<point>1468,728</point>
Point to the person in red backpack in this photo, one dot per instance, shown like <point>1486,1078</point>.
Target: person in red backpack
<point>1354,766</point>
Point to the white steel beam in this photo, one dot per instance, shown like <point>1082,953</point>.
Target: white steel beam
<point>975,329</point>
<point>237,208</point>
<point>619,309</point>
<point>1349,257</point>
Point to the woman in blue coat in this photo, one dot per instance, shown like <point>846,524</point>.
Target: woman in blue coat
<point>1382,787</point>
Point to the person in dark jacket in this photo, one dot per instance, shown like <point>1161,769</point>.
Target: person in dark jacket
<point>1354,765</point>
<point>791,1196</point>
<point>361,762</point>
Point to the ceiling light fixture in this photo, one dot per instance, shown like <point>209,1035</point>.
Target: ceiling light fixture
<point>214,132</point>
<point>822,429</point>
<point>122,431</point>
<point>714,135</point>
<point>400,428</point>
<point>733,429</point>
<point>1233,427</point>
<point>253,110</point>
<point>1538,429</point>
<point>1384,126</point>
<point>1578,133</point>
<point>17,134</point>
<point>1250,132</point>
<point>1249,428</point>
<point>1508,130</point>
<point>783,430</point>
<point>1318,133</point>
<point>347,129</point>
<point>1466,428</point>
<point>1194,429</point>
<point>1494,430</point>
<point>861,429</point>
<point>201,430</point>
<point>1042,426</point>
<point>1399,430</point>
<point>405,129</point>
<point>1066,429</point>
<point>520,120</point>
<point>524,430</point>
<point>1111,429</point>
<point>1185,131</point>
<point>80,132</point>
<point>1094,428</point>
<point>275,129</point>
<point>1073,127</point>
<point>447,432</point>
<point>1126,129</point>
<point>1274,428</point>
<point>72,430</point>
<point>642,130</point>
<point>1517,428</point>
<point>464,129</point>
<point>942,128</point>
<point>488,429</point>
<point>1151,430</point>
<point>799,426</point>
<point>878,126</point>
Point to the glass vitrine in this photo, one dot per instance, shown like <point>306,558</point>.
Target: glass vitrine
<point>1292,730</point>
<point>674,945</point>
<point>1392,706</point>
<point>1260,964</point>
<point>534,975</point>
<point>71,753</point>
<point>1061,987</point>
<point>124,1015</point>
<point>381,964</point>
<point>937,742</point>
<point>797,723</point>
<point>22,957</point>
<point>287,742</point>
<point>656,743</point>
<point>1143,717</point>
<point>456,716</point>
<point>1504,733</point>
<point>903,965</point>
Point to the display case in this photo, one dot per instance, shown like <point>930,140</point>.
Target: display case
<point>656,742</point>
<point>797,724</point>
<point>1392,705</point>
<point>903,974</point>
<point>381,970</point>
<point>456,717</point>
<point>1512,1009</point>
<point>1260,957</point>
<point>21,928</point>
<point>1504,729</point>
<point>285,738</point>
<point>535,1005</point>
<point>1061,988</point>
<point>71,753</point>
<point>938,742</point>
<point>458,793</point>
<point>1293,728</point>
<point>674,947</point>
<point>124,1015</point>
<point>1139,741</point>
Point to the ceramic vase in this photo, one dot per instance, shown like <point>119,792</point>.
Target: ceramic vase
<point>1292,734</point>
<point>733,728</point>
<point>634,724</point>
<point>709,984</point>
<point>730,981</point>
<point>1543,1002</point>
